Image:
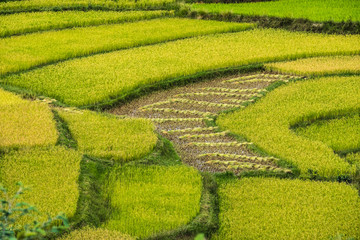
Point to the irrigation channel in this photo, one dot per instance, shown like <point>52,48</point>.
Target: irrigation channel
<point>185,116</point>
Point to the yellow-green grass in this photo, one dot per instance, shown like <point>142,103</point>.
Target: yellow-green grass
<point>51,173</point>
<point>25,123</point>
<point>148,200</point>
<point>319,66</point>
<point>56,5</point>
<point>109,137</point>
<point>260,208</point>
<point>104,77</point>
<point>342,134</point>
<point>21,23</point>
<point>23,52</point>
<point>354,158</point>
<point>314,10</point>
<point>267,123</point>
<point>95,234</point>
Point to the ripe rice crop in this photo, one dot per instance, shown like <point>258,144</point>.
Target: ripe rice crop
<point>315,10</point>
<point>267,123</point>
<point>23,52</point>
<point>43,5</point>
<point>95,234</point>
<point>103,77</point>
<point>152,199</point>
<point>270,208</point>
<point>110,137</point>
<point>342,134</point>
<point>319,65</point>
<point>39,21</point>
<point>25,123</point>
<point>51,173</point>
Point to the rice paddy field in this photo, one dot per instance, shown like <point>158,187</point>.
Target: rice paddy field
<point>161,119</point>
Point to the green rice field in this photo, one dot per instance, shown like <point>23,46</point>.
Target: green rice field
<point>161,119</point>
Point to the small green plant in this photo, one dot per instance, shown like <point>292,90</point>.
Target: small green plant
<point>12,210</point>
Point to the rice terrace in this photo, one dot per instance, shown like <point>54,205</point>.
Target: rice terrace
<point>180,119</point>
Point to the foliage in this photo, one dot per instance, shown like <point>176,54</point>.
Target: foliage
<point>267,123</point>
<point>58,5</point>
<point>270,208</point>
<point>109,137</point>
<point>152,199</point>
<point>52,174</point>
<point>25,123</point>
<point>12,211</point>
<point>319,66</point>
<point>95,234</point>
<point>23,52</point>
<point>97,79</point>
<point>315,10</point>
<point>39,21</point>
<point>341,134</point>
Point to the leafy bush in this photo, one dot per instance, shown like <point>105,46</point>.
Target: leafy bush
<point>12,210</point>
<point>267,123</point>
<point>109,137</point>
<point>103,77</point>
<point>152,199</point>
<point>25,123</point>
<point>52,174</point>
<point>259,208</point>
<point>319,66</point>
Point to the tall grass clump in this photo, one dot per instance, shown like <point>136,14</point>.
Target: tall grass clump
<point>23,52</point>
<point>109,137</point>
<point>314,10</point>
<point>51,173</point>
<point>319,66</point>
<point>147,200</point>
<point>25,123</point>
<point>260,208</point>
<point>341,134</point>
<point>22,23</point>
<point>268,122</point>
<point>103,78</point>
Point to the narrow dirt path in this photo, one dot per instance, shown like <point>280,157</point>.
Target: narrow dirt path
<point>184,115</point>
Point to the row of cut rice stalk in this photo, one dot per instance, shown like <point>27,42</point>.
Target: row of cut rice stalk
<point>235,90</point>
<point>235,165</point>
<point>219,144</point>
<point>240,157</point>
<point>178,111</point>
<point>197,129</point>
<point>163,120</point>
<point>209,135</point>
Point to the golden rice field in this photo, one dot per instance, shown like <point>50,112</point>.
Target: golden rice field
<point>143,119</point>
